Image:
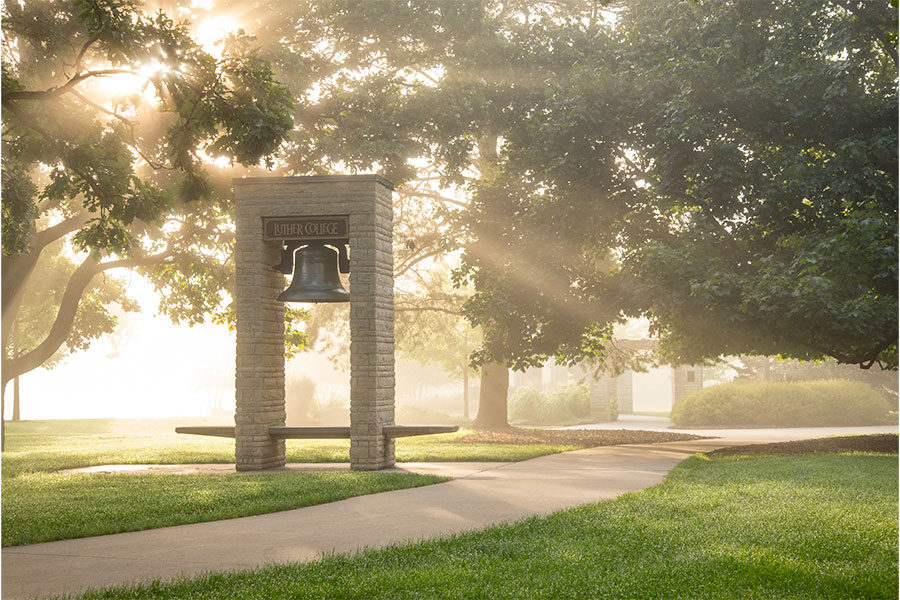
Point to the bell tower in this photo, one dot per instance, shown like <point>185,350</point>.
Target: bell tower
<point>290,225</point>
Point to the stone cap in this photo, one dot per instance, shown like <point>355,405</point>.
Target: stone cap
<point>314,179</point>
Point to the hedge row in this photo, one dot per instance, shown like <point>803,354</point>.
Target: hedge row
<point>565,406</point>
<point>832,402</point>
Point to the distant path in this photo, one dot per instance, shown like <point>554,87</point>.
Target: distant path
<point>734,436</point>
<point>487,495</point>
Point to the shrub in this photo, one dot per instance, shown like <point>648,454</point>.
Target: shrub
<point>564,406</point>
<point>299,400</point>
<point>525,404</point>
<point>788,404</point>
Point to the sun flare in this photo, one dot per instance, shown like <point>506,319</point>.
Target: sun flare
<point>211,32</point>
<point>110,88</point>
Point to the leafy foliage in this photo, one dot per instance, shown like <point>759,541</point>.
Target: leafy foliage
<point>770,368</point>
<point>566,406</point>
<point>789,404</point>
<point>430,327</point>
<point>726,169</point>
<point>18,207</point>
<point>110,112</point>
<point>229,107</point>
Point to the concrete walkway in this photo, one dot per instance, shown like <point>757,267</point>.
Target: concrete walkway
<point>482,496</point>
<point>736,436</point>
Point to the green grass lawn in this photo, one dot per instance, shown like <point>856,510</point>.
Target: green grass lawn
<point>40,504</point>
<point>54,445</point>
<point>42,507</point>
<point>742,527</point>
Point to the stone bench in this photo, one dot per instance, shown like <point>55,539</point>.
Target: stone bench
<point>313,433</point>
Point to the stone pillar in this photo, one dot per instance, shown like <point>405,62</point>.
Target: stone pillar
<point>603,389</point>
<point>685,379</point>
<point>559,376</point>
<point>366,200</point>
<point>259,376</point>
<point>372,333</point>
<point>625,393</point>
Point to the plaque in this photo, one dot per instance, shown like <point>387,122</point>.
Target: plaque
<point>307,229</point>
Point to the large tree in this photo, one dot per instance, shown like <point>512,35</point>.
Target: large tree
<point>110,115</point>
<point>364,98</point>
<point>726,169</point>
<point>421,98</point>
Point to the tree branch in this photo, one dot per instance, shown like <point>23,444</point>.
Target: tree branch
<point>84,49</point>
<point>102,109</point>
<point>54,92</point>
<point>68,308</point>
<point>61,229</point>
<point>48,204</point>
<point>129,124</point>
<point>17,269</point>
<point>434,196</point>
<point>414,261</point>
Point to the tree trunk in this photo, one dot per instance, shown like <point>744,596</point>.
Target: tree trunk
<point>466,392</point>
<point>15,350</point>
<point>15,416</point>
<point>766,374</point>
<point>492,397</point>
<point>3,417</point>
<point>17,270</point>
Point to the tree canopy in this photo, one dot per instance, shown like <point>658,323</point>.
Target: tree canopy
<point>726,169</point>
<point>110,117</point>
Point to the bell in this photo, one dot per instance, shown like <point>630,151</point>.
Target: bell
<point>316,277</point>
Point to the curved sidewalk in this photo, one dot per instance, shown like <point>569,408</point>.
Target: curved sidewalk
<point>495,494</point>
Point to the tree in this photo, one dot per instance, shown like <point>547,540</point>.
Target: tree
<point>122,172</point>
<point>94,317</point>
<point>430,328</point>
<point>403,98</point>
<point>726,169</point>
<point>442,82</point>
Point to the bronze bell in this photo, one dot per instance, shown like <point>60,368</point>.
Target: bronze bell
<point>316,277</point>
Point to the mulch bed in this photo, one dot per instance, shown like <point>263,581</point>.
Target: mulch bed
<point>583,438</point>
<point>885,443</point>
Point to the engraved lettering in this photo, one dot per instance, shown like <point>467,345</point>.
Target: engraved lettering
<point>305,228</point>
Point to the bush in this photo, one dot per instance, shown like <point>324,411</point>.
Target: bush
<point>820,403</point>
<point>564,406</point>
<point>299,400</point>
